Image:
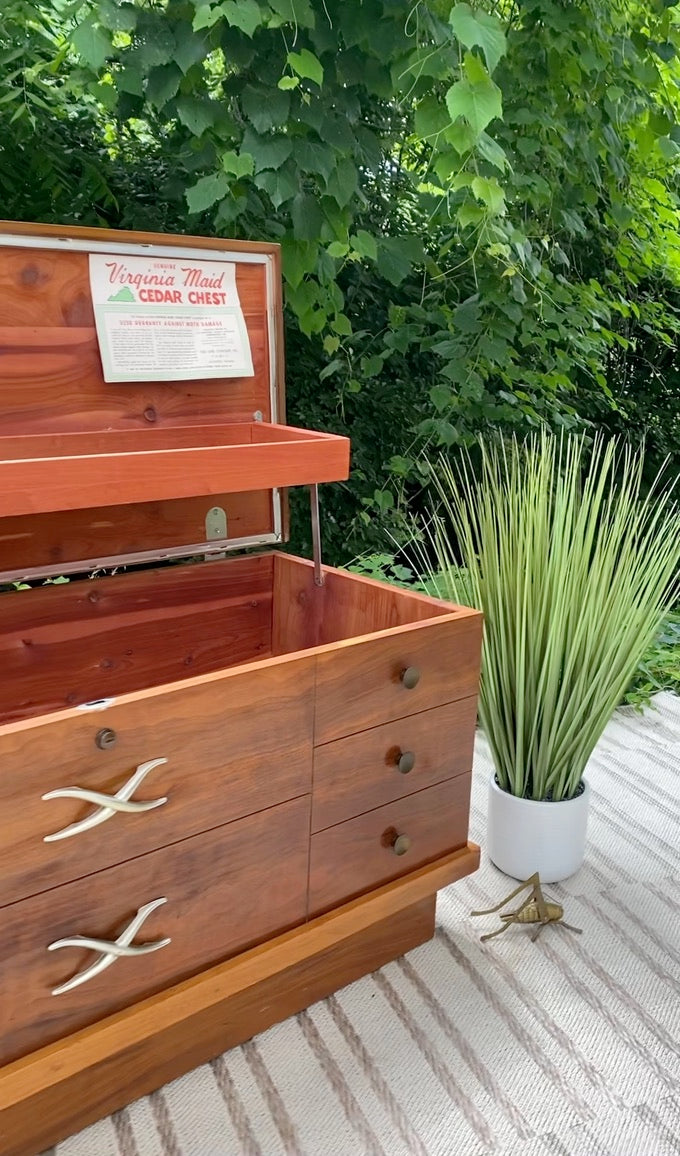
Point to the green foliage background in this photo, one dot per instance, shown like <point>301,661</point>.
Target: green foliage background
<point>477,203</point>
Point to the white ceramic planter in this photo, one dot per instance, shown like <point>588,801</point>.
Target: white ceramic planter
<point>524,836</point>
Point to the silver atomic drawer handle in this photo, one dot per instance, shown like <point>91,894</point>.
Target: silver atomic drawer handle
<point>109,951</point>
<point>107,805</point>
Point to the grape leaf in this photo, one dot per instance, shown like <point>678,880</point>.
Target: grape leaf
<point>205,17</point>
<point>487,189</point>
<point>269,152</point>
<point>196,114</point>
<point>206,191</point>
<point>281,183</point>
<point>265,107</point>
<point>92,43</point>
<point>163,84</point>
<point>365,245</point>
<point>240,164</point>
<point>245,14</point>
<point>343,181</point>
<point>307,217</point>
<point>117,17</point>
<point>307,65</point>
<point>478,103</point>
<point>480,30</point>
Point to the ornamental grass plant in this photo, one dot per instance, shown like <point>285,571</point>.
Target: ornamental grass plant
<point>574,568</point>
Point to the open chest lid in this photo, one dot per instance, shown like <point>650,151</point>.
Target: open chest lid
<point>142,400</point>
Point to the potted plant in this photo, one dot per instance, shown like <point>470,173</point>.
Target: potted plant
<point>574,568</point>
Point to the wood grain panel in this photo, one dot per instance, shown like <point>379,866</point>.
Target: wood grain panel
<point>61,380</point>
<point>87,536</point>
<point>359,683</point>
<point>63,389</point>
<point>38,338</point>
<point>63,645</point>
<point>56,234</point>
<point>51,391</point>
<point>51,287</point>
<point>358,855</point>
<point>64,445</point>
<point>61,1089</point>
<point>346,606</point>
<point>42,287</point>
<point>225,890</point>
<point>234,745</point>
<point>359,773</point>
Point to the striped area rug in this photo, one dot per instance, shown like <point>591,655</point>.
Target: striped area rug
<point>565,1047</point>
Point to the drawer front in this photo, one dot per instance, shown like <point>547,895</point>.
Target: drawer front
<point>364,684</point>
<point>371,850</point>
<point>365,771</point>
<point>217,738</point>
<point>224,891</point>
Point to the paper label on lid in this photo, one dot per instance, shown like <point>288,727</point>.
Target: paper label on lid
<point>168,319</point>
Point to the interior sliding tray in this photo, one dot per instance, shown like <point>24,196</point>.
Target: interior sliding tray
<point>43,473</point>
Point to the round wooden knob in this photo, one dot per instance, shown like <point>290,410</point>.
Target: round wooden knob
<point>406,761</point>
<point>401,845</point>
<point>410,677</point>
<point>105,739</point>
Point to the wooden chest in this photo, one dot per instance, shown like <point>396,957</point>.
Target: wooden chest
<point>227,788</point>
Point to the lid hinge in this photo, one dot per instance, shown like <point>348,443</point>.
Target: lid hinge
<point>316,535</point>
<point>215,530</point>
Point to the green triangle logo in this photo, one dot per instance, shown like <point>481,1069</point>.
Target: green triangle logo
<point>123,294</point>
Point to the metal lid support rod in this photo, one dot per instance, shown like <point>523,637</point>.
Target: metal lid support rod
<point>316,535</point>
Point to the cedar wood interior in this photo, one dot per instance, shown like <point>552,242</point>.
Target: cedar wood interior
<point>64,645</point>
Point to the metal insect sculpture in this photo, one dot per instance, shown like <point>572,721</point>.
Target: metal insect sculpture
<point>536,908</point>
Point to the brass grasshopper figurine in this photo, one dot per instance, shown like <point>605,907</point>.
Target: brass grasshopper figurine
<point>535,909</point>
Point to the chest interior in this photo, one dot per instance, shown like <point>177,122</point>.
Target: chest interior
<point>115,485</point>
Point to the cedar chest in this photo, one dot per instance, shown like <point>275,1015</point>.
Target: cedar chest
<point>227,788</point>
